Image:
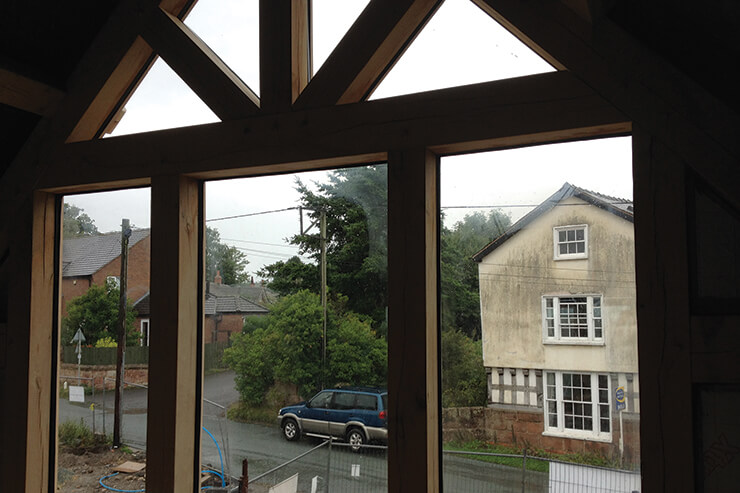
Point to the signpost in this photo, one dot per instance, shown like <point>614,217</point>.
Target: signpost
<point>79,338</point>
<point>621,405</point>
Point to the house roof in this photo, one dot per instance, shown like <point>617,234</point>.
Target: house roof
<point>86,255</point>
<point>213,305</point>
<point>232,304</point>
<point>617,206</point>
<point>256,293</point>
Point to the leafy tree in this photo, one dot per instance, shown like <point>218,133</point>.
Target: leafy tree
<point>76,223</point>
<point>228,260</point>
<point>463,375</point>
<point>285,346</point>
<point>96,313</point>
<point>460,297</point>
<point>355,203</point>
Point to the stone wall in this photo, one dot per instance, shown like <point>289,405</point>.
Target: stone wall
<point>134,374</point>
<point>521,428</point>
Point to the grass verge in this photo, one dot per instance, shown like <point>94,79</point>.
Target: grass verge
<point>266,414</point>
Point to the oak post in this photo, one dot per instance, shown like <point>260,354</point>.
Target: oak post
<point>413,384</point>
<point>173,425</point>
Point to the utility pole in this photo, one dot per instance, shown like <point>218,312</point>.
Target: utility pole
<point>118,414</point>
<point>323,292</point>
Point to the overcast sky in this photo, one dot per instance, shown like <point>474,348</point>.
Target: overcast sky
<point>460,45</point>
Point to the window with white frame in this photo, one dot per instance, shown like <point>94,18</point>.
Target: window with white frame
<point>113,282</point>
<point>570,242</point>
<point>144,338</point>
<point>577,405</point>
<point>572,319</point>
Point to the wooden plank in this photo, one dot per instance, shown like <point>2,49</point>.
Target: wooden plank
<point>664,340</point>
<point>173,420</point>
<point>276,78</point>
<point>636,81</point>
<point>367,52</point>
<point>553,105</point>
<point>27,94</point>
<point>413,368</point>
<point>199,67</point>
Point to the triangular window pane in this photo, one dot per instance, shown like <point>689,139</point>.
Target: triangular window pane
<point>460,45</point>
<point>330,22</point>
<point>162,101</point>
<point>231,29</point>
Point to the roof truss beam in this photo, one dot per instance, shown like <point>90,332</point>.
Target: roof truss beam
<point>201,69</point>
<point>367,52</point>
<point>506,113</point>
<point>28,94</point>
<point>666,103</point>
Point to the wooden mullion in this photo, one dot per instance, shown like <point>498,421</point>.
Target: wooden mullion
<point>26,425</point>
<point>174,374</point>
<point>367,52</point>
<point>530,110</point>
<point>414,452</point>
<point>276,79</point>
<point>201,69</point>
<point>664,335</point>
<point>300,45</point>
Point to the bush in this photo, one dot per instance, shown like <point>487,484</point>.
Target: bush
<point>80,438</point>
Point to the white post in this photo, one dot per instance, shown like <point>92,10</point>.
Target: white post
<point>621,438</point>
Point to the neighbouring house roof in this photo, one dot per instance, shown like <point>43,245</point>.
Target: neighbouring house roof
<point>86,255</point>
<point>232,304</point>
<point>256,293</point>
<point>619,207</point>
<point>213,305</point>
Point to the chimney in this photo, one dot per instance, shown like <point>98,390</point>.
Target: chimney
<point>218,278</point>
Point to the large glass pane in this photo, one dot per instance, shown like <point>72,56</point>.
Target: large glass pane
<point>530,337</point>
<point>269,344</point>
<point>92,414</point>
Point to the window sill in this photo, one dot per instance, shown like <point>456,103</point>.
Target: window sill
<point>549,342</point>
<point>578,436</point>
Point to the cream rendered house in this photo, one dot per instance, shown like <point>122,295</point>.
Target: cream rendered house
<point>558,319</point>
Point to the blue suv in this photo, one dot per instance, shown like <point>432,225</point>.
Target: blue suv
<point>355,414</point>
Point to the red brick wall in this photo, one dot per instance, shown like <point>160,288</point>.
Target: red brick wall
<point>72,287</point>
<point>520,428</point>
<point>228,324</point>
<point>134,374</point>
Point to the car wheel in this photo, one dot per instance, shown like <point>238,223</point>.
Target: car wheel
<point>290,430</point>
<point>356,439</point>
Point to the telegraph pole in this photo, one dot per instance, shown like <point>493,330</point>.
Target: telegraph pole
<point>121,354</point>
<point>323,292</point>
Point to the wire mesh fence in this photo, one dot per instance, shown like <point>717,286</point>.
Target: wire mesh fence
<point>336,467</point>
<point>329,466</point>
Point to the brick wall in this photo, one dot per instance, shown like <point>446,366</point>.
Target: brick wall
<point>522,428</point>
<point>133,374</point>
<point>228,324</point>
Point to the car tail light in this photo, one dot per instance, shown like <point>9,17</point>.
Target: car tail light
<point>381,415</point>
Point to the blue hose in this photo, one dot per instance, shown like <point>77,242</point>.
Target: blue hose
<point>115,489</point>
<point>220,475</point>
<point>221,458</point>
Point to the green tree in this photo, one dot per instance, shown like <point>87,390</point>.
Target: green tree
<point>96,313</point>
<point>463,375</point>
<point>460,297</point>
<point>285,346</point>
<point>76,223</point>
<point>227,260</point>
<point>355,202</point>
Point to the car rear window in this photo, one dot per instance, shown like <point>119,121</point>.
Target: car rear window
<point>344,400</point>
<point>367,402</point>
